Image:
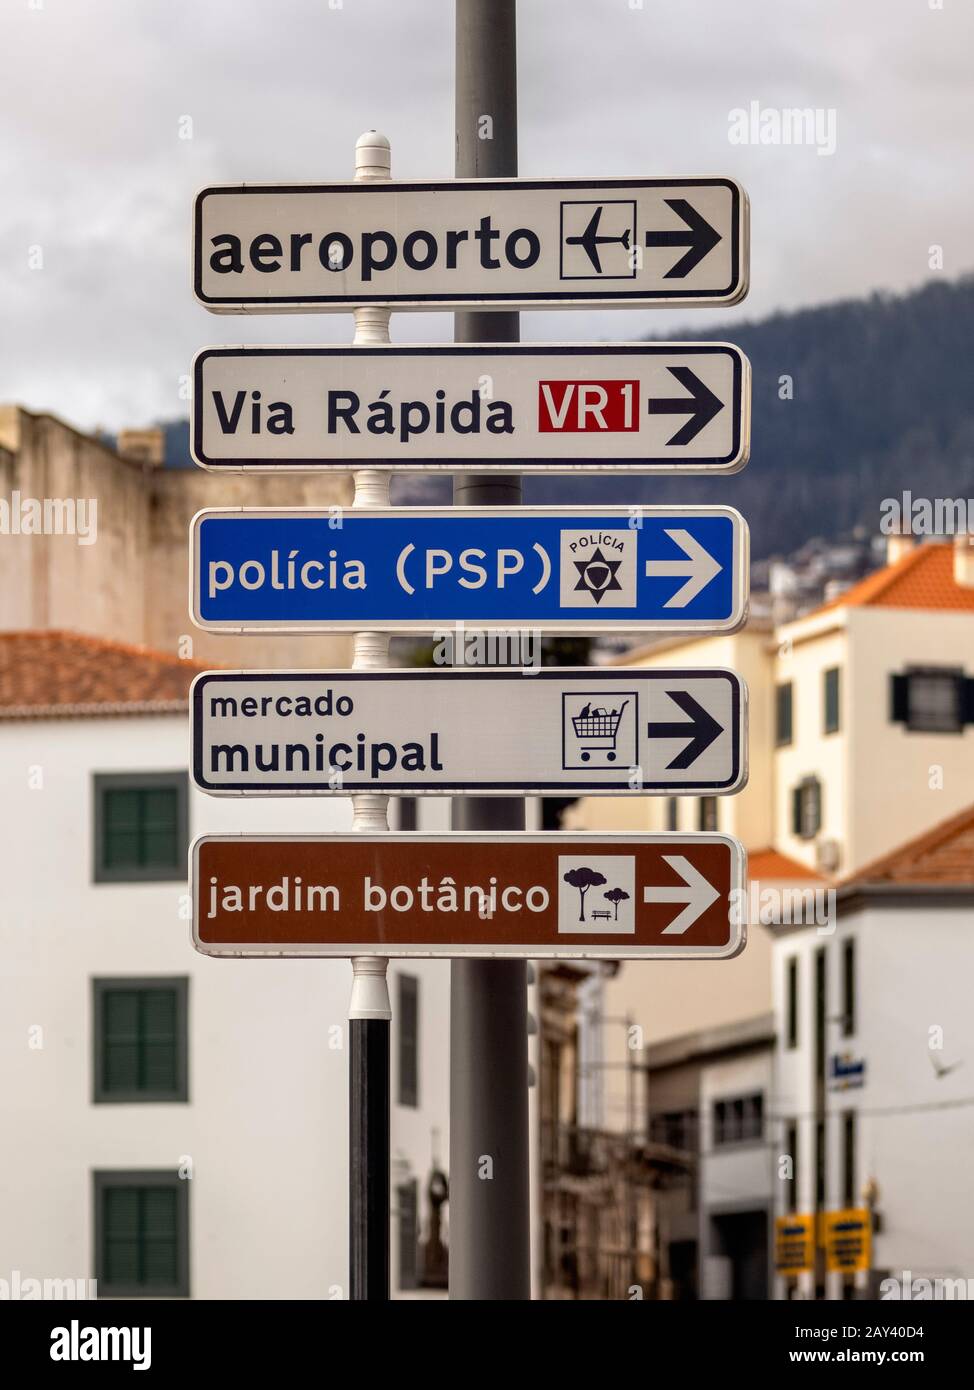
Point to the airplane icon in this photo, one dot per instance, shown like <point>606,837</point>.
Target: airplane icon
<point>590,240</point>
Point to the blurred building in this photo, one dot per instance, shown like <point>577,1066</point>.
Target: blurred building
<point>861,736</point>
<point>176,1125</point>
<point>599,1230</point>
<point>708,1097</point>
<point>853,709</point>
<point>875,1046</point>
<point>128,580</point>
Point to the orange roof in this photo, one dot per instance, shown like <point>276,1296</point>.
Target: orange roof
<point>66,673</point>
<point>943,855</point>
<point>771,863</point>
<point>922,578</point>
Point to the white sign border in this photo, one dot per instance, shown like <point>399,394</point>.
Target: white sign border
<point>619,675</point>
<point>733,462</point>
<point>572,625</point>
<point>569,299</point>
<point>436,951</point>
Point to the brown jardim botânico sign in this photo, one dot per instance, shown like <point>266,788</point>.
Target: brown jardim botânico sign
<point>616,897</point>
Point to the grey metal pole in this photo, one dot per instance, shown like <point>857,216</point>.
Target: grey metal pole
<point>489,1174</point>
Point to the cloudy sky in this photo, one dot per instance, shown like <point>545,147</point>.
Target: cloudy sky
<point>99,324</point>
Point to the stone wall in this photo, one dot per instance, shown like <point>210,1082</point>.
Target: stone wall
<point>132,584</point>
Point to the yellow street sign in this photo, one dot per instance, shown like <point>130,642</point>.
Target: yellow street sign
<point>794,1244</point>
<point>847,1239</point>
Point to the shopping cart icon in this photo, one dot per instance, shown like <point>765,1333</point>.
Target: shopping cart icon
<point>597,731</point>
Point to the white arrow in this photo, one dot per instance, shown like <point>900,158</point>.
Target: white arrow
<point>697,893</point>
<point>700,568</point>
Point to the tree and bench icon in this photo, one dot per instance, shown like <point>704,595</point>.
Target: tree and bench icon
<point>583,879</point>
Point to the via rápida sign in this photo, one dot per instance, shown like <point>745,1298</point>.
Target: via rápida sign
<point>601,897</point>
<point>644,407</point>
<point>418,569</point>
<point>454,731</point>
<point>528,243</point>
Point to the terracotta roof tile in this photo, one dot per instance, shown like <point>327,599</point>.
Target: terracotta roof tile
<point>943,855</point>
<point>771,863</point>
<point>922,578</point>
<point>67,673</point>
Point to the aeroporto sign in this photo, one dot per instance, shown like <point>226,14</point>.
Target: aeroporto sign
<point>643,407</point>
<point>533,243</point>
<point>616,897</point>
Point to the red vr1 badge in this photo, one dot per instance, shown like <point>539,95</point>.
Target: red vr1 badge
<point>575,407</point>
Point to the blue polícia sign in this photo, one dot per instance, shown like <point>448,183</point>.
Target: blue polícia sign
<point>617,569</point>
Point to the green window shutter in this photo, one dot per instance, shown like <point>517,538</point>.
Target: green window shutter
<point>158,1024</point>
<point>784,714</point>
<point>796,811</point>
<point>140,1040</point>
<point>814,820</point>
<point>159,827</point>
<point>831,700</point>
<point>159,1236</point>
<point>121,828</point>
<point>121,1236</point>
<point>140,1237</point>
<point>408,1040</point>
<point>121,1049</point>
<point>141,826</point>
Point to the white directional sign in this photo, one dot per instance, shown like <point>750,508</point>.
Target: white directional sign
<point>451,731</point>
<point>529,243</point>
<point>643,407</point>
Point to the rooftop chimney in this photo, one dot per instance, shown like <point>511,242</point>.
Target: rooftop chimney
<point>897,545</point>
<point>147,447</point>
<point>964,560</point>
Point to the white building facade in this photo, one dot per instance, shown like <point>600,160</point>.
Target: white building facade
<point>178,1124</point>
<point>873,1095</point>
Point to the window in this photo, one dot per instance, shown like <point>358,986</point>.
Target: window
<point>820,1013</point>
<point>141,1234</point>
<point>848,987</point>
<point>830,701</point>
<point>849,1158</point>
<point>707,813</point>
<point>791,1149</point>
<point>791,1002</point>
<point>783,712</point>
<point>141,826</point>
<point>672,813</point>
<point>140,1037</point>
<point>675,1128</point>
<point>806,808</point>
<point>408,1016</point>
<point>740,1120</point>
<point>932,700</point>
<point>408,1234</point>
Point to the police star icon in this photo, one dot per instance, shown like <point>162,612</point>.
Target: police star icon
<point>597,575</point>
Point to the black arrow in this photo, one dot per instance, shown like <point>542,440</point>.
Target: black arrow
<point>701,730</point>
<point>701,405</point>
<point>700,237</point>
